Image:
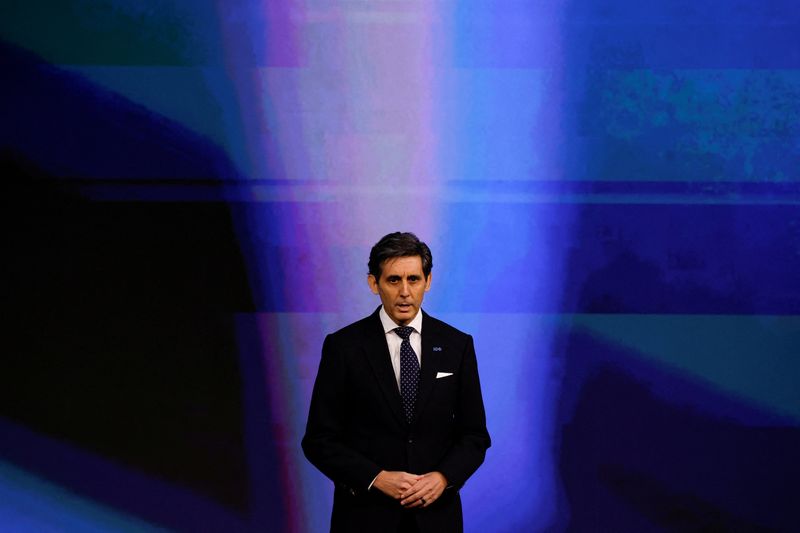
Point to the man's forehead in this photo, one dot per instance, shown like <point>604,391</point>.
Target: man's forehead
<point>407,265</point>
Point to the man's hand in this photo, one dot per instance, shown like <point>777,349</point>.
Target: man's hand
<point>395,484</point>
<point>425,491</point>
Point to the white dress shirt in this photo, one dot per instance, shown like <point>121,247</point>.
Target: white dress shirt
<point>394,341</point>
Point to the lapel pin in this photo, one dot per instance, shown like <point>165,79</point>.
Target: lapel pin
<point>437,348</point>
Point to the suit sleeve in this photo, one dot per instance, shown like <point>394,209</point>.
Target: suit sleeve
<point>469,449</point>
<point>324,444</point>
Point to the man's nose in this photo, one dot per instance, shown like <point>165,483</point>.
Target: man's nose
<point>404,289</point>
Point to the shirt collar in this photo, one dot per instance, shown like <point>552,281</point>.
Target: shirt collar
<point>389,324</point>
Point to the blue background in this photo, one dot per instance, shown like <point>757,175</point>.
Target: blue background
<point>191,189</point>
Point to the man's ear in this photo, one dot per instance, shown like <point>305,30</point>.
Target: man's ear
<point>373,283</point>
<point>428,282</point>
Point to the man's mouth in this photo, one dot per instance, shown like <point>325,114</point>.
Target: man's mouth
<point>404,307</point>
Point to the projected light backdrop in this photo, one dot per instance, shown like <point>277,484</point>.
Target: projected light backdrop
<point>611,194</point>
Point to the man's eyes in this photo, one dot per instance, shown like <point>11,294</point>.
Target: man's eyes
<point>411,279</point>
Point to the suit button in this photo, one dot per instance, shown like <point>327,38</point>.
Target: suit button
<point>411,441</point>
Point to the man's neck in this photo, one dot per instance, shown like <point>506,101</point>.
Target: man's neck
<point>390,324</point>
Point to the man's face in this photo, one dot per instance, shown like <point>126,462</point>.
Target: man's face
<point>402,287</point>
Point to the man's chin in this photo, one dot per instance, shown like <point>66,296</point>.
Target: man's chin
<point>405,315</point>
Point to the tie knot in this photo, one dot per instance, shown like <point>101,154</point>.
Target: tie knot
<point>404,332</point>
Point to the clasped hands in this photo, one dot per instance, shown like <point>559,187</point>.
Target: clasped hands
<point>411,489</point>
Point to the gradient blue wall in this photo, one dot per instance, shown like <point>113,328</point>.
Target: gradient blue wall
<point>610,190</point>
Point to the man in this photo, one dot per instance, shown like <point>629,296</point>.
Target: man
<point>396,418</point>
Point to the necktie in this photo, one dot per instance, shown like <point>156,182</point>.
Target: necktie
<point>409,372</point>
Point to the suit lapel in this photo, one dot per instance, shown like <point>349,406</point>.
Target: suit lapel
<point>377,353</point>
<point>430,361</point>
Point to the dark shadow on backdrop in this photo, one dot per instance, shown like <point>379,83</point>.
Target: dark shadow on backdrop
<point>634,460</point>
<point>119,335</point>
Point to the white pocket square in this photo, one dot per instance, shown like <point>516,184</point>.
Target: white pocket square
<point>443,374</point>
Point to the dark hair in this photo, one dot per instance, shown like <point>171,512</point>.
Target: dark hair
<point>399,245</point>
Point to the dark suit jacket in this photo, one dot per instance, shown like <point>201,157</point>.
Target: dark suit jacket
<point>356,426</point>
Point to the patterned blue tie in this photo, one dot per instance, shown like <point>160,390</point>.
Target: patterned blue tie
<point>409,372</point>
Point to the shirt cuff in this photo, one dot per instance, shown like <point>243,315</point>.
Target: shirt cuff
<point>373,481</point>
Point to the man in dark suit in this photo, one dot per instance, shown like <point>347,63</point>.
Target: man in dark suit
<point>397,419</point>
